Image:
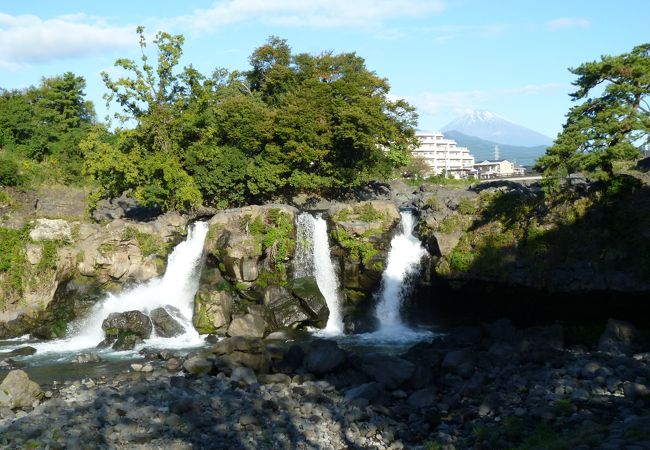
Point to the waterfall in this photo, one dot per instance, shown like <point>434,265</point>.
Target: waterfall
<point>176,288</point>
<point>404,258</point>
<point>313,258</point>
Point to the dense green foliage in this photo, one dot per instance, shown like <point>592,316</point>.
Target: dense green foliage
<point>606,128</point>
<point>43,125</point>
<point>292,123</point>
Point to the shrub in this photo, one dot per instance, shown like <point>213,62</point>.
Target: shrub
<point>9,173</point>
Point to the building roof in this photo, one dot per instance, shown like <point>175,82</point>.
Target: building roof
<point>489,162</point>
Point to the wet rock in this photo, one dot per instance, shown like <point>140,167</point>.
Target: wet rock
<point>126,342</point>
<point>18,391</point>
<point>84,358</point>
<point>164,324</point>
<point>22,351</point>
<point>127,323</point>
<point>323,356</point>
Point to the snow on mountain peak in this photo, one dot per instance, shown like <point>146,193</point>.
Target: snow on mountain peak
<point>493,127</point>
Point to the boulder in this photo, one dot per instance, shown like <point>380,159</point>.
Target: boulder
<point>198,366</point>
<point>422,398</point>
<point>290,313</point>
<point>391,371</point>
<point>311,300</point>
<point>460,361</point>
<point>371,392</point>
<point>164,324</point>
<point>323,356</point>
<point>127,323</point>
<point>243,351</point>
<point>18,391</point>
<point>252,325</point>
<point>291,360</point>
<point>212,311</point>
<point>619,337</point>
<point>21,351</point>
<point>126,342</point>
<point>51,230</point>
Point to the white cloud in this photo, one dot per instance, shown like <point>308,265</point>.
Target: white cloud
<point>308,13</point>
<point>458,102</point>
<point>26,39</point>
<point>567,22</point>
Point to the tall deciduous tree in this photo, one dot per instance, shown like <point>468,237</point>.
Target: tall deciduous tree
<point>160,100</point>
<point>608,127</point>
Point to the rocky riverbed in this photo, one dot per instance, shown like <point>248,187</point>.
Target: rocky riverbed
<point>489,386</point>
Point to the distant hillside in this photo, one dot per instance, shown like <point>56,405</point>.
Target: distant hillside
<point>483,149</point>
<point>492,127</point>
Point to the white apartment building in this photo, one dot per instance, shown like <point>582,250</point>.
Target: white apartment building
<point>443,155</point>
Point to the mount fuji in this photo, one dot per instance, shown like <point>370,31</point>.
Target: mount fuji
<point>492,127</point>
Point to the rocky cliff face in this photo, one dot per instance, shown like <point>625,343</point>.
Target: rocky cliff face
<point>246,285</point>
<point>581,241</point>
<point>57,268</point>
<point>361,235</point>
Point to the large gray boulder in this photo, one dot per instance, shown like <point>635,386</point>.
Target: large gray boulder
<point>128,322</point>
<point>252,325</point>
<point>126,330</point>
<point>51,230</point>
<point>198,365</point>
<point>243,351</point>
<point>323,356</point>
<point>164,324</point>
<point>212,311</point>
<point>18,391</point>
<point>388,370</point>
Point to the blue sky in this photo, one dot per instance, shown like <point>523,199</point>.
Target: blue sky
<point>443,56</point>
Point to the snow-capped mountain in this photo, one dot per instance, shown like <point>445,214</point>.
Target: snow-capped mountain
<point>492,127</point>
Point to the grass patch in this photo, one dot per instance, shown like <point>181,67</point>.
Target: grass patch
<point>149,244</point>
<point>357,247</point>
<point>363,213</point>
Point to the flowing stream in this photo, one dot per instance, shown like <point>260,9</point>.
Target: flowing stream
<point>313,258</point>
<point>175,291</point>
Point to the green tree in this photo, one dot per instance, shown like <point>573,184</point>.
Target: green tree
<point>605,128</point>
<point>165,106</point>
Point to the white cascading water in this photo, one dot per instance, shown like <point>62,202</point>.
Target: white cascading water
<point>313,258</point>
<point>176,288</point>
<point>403,261</point>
